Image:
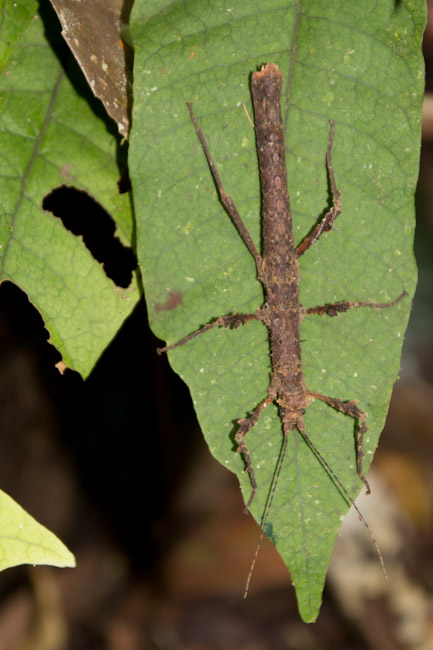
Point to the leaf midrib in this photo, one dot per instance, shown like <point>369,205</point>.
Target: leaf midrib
<point>35,152</point>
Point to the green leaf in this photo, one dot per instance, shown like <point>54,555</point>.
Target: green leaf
<point>50,136</point>
<point>24,541</point>
<point>359,64</point>
<point>16,17</point>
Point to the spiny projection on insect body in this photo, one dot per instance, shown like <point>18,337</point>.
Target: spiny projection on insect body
<point>278,271</point>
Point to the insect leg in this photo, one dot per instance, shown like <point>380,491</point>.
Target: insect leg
<point>350,408</point>
<point>235,321</point>
<point>227,201</point>
<point>334,308</point>
<point>327,222</point>
<point>245,425</point>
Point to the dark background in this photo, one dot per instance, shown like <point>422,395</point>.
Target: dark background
<point>117,468</point>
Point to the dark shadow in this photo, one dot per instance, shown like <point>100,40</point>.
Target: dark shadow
<point>129,432</point>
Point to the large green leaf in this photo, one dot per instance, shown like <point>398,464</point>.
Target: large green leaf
<point>51,136</point>
<point>15,17</point>
<point>24,541</point>
<point>359,64</point>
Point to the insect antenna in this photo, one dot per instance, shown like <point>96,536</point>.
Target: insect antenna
<point>346,494</point>
<point>267,511</point>
<point>336,480</point>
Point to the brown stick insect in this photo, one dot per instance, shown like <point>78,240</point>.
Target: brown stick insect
<point>278,272</point>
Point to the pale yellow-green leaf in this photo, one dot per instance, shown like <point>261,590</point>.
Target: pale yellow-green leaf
<point>24,541</point>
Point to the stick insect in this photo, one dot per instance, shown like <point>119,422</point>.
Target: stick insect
<point>278,272</point>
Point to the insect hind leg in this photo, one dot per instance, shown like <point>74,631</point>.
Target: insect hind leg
<point>327,223</point>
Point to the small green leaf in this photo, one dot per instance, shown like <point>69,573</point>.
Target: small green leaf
<point>49,137</point>
<point>24,541</point>
<point>359,64</point>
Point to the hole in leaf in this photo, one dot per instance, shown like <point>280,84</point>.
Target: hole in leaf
<point>84,216</point>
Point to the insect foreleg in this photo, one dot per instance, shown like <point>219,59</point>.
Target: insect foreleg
<point>245,425</point>
<point>350,408</point>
